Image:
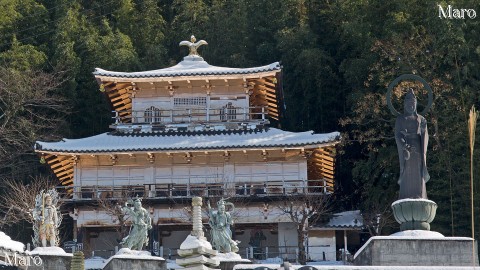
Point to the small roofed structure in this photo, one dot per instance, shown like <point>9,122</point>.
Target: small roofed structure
<point>352,220</point>
<point>343,228</point>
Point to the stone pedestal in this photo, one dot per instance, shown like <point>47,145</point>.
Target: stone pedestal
<point>195,250</point>
<point>196,254</point>
<point>417,248</point>
<point>135,260</point>
<point>53,258</point>
<point>228,265</point>
<point>229,260</point>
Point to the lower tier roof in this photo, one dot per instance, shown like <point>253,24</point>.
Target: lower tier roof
<point>181,141</point>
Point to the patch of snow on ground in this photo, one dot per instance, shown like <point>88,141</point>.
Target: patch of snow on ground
<point>2,263</point>
<point>7,243</point>
<point>55,251</point>
<point>94,263</point>
<point>253,266</point>
<point>192,242</point>
<point>352,267</point>
<point>271,260</point>
<point>229,257</point>
<point>326,263</point>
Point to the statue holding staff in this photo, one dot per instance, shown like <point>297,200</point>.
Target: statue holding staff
<point>141,223</point>
<point>47,219</point>
<point>220,222</point>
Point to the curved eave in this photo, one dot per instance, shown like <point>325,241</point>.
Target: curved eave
<point>108,78</point>
<point>189,69</point>
<point>123,142</point>
<point>183,150</point>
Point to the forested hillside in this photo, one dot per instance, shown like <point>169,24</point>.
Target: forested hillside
<point>338,58</point>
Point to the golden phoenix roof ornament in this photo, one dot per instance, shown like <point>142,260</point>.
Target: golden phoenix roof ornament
<point>192,45</point>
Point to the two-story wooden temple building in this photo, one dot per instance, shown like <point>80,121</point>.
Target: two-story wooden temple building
<point>193,129</point>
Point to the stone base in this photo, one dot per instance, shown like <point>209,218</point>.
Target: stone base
<point>194,260</point>
<point>53,258</point>
<point>198,267</point>
<point>135,264</point>
<point>228,265</point>
<point>53,262</point>
<point>417,251</point>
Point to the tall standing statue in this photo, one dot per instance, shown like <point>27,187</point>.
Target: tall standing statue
<point>47,219</point>
<point>412,210</point>
<point>141,223</point>
<point>411,136</point>
<point>220,222</point>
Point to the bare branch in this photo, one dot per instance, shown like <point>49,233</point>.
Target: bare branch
<point>19,199</point>
<point>32,108</point>
<point>305,210</point>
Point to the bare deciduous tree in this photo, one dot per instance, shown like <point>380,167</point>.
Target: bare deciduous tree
<point>17,203</point>
<point>113,208</point>
<point>304,210</point>
<point>376,217</point>
<point>31,108</point>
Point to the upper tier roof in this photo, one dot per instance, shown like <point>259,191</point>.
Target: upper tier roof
<point>191,65</point>
<point>178,141</point>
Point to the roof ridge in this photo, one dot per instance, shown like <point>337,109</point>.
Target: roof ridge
<point>187,133</point>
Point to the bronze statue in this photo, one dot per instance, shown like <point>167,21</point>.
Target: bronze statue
<point>141,223</point>
<point>220,222</point>
<point>411,135</point>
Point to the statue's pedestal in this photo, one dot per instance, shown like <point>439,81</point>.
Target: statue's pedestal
<point>417,248</point>
<point>196,254</point>
<point>135,260</point>
<point>414,214</point>
<point>53,258</point>
<point>229,260</point>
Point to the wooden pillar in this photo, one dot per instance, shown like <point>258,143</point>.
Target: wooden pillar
<point>345,243</point>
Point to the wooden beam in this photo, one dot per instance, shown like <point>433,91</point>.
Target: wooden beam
<point>63,168</point>
<point>125,107</point>
<point>65,172</point>
<point>326,170</point>
<point>67,182</point>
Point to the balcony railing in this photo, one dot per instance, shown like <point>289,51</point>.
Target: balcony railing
<point>194,115</point>
<point>189,190</point>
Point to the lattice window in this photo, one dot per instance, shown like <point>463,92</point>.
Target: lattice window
<point>228,112</point>
<point>190,101</point>
<point>152,115</point>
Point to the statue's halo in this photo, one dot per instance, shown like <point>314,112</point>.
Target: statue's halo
<point>405,77</point>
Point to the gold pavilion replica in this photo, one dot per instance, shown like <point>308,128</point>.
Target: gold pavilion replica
<point>194,129</point>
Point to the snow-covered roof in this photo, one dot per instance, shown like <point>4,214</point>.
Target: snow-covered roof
<point>190,66</point>
<point>171,141</point>
<point>345,220</point>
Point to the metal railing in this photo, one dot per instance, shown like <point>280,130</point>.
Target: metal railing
<point>194,188</point>
<point>256,254</point>
<point>191,115</point>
